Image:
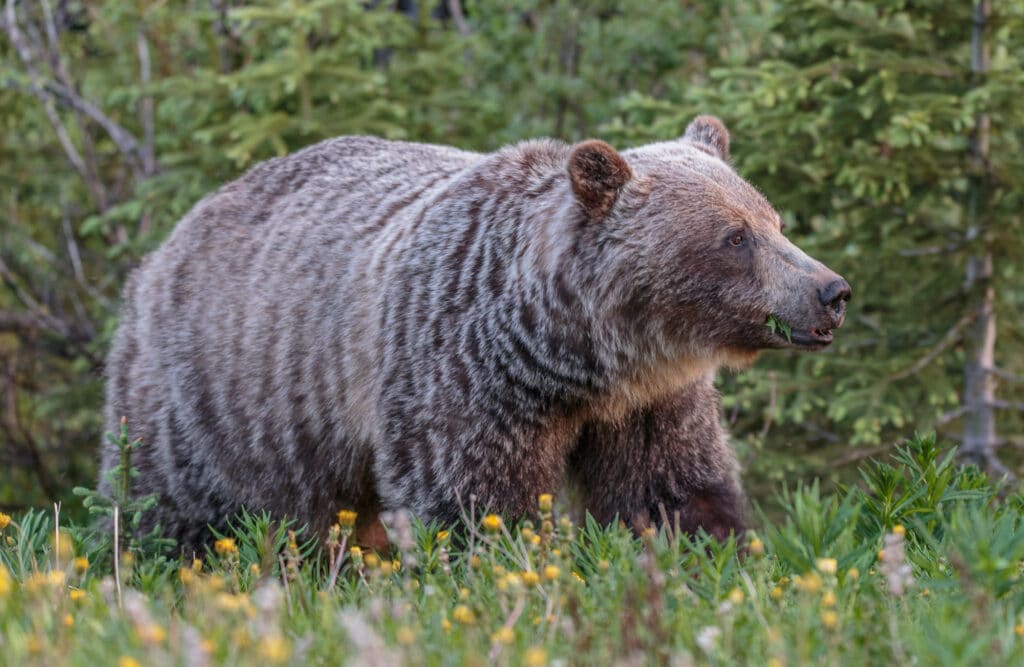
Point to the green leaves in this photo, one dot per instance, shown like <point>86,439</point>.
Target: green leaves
<point>775,325</point>
<point>816,527</point>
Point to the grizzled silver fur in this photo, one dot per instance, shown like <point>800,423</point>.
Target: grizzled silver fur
<point>377,325</point>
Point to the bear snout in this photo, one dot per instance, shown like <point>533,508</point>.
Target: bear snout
<point>834,296</point>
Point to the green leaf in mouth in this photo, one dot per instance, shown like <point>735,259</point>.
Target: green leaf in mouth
<point>778,326</point>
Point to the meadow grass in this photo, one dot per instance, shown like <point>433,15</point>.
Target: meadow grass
<point>918,564</point>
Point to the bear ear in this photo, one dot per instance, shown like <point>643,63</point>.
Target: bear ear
<point>710,134</point>
<point>597,173</point>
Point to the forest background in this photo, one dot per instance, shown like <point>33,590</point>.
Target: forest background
<point>889,134</point>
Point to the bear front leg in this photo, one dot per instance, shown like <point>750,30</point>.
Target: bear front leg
<point>471,466</point>
<point>669,459</point>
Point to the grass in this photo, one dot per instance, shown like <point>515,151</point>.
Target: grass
<point>811,589</point>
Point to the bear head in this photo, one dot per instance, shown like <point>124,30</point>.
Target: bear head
<point>691,258</point>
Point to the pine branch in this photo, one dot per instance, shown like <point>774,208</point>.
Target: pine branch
<point>950,337</point>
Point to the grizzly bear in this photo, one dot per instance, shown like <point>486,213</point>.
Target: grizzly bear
<point>376,325</point>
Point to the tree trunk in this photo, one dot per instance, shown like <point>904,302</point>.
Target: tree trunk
<point>980,440</point>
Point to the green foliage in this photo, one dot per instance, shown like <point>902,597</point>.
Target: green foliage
<point>121,505</point>
<point>547,591</point>
<point>855,118</point>
<point>815,528</point>
<point>774,325</point>
<point>915,490</point>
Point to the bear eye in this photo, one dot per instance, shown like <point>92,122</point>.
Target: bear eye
<point>736,240</point>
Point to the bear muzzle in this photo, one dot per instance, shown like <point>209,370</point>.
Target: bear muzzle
<point>833,295</point>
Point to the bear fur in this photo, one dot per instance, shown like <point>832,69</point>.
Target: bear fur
<point>376,325</point>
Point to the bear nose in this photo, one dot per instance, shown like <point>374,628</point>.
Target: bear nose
<point>835,295</point>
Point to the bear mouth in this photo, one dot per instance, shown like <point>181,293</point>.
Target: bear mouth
<point>815,339</point>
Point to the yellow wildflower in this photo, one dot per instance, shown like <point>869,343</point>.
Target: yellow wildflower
<point>535,657</point>
<point>881,554</point>
<point>756,547</point>
<point>274,648</point>
<point>81,564</point>
<point>446,625</point>
<point>853,574</point>
<point>531,578</point>
<point>371,560</point>
<point>827,565</point>
<point>463,614</point>
<point>229,602</point>
<point>64,550</point>
<point>775,662</point>
<point>899,530</point>
<point>347,519</point>
<point>357,556</point>
<point>55,578</point>
<point>225,546</point>
<point>151,633</point>
<point>514,580</point>
<point>829,619</point>
<point>1019,629</point>
<point>68,620</point>
<point>736,596</point>
<point>386,568</point>
<point>527,534</point>
<point>5,581</point>
<point>828,599</point>
<point>809,583</point>
<point>240,637</point>
<point>544,502</point>
<point>475,562</point>
<point>503,635</point>
<point>5,520</point>
<point>125,661</point>
<point>197,564</point>
<point>535,539</point>
<point>405,635</point>
<point>35,582</point>
<point>442,535</point>
<point>551,572</point>
<point>491,523</point>
<point>77,595</point>
<point>254,569</point>
<point>463,593</point>
<point>396,565</point>
<point>777,593</point>
<point>187,577</point>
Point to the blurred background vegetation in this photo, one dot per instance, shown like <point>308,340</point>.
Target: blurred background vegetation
<point>890,134</point>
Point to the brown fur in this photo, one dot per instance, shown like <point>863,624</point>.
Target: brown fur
<point>380,325</point>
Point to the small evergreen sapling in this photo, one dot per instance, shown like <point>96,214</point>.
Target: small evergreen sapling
<point>129,510</point>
